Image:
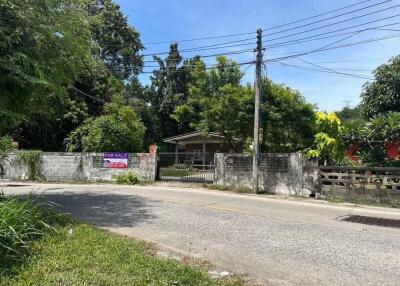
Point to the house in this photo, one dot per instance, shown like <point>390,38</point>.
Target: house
<point>200,148</point>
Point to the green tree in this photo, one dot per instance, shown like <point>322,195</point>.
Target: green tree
<point>112,58</point>
<point>218,102</point>
<point>288,120</point>
<point>119,129</point>
<point>383,94</point>
<point>42,47</point>
<point>117,43</point>
<point>169,89</point>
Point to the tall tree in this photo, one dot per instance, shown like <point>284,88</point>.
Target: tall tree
<point>383,94</point>
<point>43,45</point>
<point>112,57</point>
<point>169,88</point>
<point>218,102</point>
<point>116,42</point>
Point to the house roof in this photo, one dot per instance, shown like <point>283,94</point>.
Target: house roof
<point>191,137</point>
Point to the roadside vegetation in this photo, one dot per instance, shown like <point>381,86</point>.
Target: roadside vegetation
<point>41,247</point>
<point>22,222</point>
<point>129,178</point>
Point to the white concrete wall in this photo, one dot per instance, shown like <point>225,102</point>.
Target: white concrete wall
<point>63,167</point>
<point>284,183</point>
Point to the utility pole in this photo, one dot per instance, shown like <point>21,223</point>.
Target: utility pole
<point>258,87</point>
<point>347,103</point>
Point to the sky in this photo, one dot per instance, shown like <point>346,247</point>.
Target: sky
<point>169,21</point>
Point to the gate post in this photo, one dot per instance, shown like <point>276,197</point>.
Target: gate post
<point>157,159</point>
<point>176,152</point>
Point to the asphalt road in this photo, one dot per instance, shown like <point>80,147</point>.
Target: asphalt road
<point>276,241</point>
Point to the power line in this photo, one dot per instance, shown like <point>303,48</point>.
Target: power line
<point>209,68</point>
<point>214,66</point>
<point>224,45</point>
<point>211,55</point>
<point>201,48</point>
<point>335,23</point>
<point>333,48</point>
<point>252,33</point>
<point>319,15</point>
<point>314,37</point>
<point>330,18</point>
<point>88,95</point>
<point>328,69</point>
<point>324,71</point>
<point>306,39</point>
<point>353,60</point>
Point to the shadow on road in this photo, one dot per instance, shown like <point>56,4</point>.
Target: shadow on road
<point>104,210</point>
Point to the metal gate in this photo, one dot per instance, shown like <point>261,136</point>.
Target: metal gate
<point>195,167</point>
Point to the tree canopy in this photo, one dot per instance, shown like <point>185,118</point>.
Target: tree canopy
<point>43,45</point>
<point>288,120</point>
<point>62,60</point>
<point>383,94</point>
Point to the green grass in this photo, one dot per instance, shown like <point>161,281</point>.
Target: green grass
<point>175,173</point>
<point>240,189</point>
<point>22,222</point>
<point>90,256</point>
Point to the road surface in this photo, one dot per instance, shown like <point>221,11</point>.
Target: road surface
<point>275,241</point>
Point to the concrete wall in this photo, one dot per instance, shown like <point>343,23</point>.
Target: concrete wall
<point>286,180</point>
<point>79,166</point>
<point>375,185</point>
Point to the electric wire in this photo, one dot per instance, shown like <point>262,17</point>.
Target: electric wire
<point>252,33</point>
<point>224,44</point>
<point>87,95</point>
<point>298,54</point>
<point>324,71</point>
<point>294,41</point>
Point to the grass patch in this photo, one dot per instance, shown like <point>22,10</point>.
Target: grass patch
<point>240,190</point>
<point>362,201</point>
<point>22,222</point>
<point>175,173</point>
<point>84,255</point>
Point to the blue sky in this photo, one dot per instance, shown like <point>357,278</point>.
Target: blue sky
<point>161,20</point>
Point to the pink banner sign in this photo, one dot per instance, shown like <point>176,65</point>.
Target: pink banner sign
<point>115,160</point>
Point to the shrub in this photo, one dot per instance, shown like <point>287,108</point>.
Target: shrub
<point>6,144</point>
<point>118,129</point>
<point>129,178</point>
<point>23,221</point>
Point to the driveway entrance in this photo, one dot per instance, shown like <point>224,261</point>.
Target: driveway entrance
<point>195,167</point>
